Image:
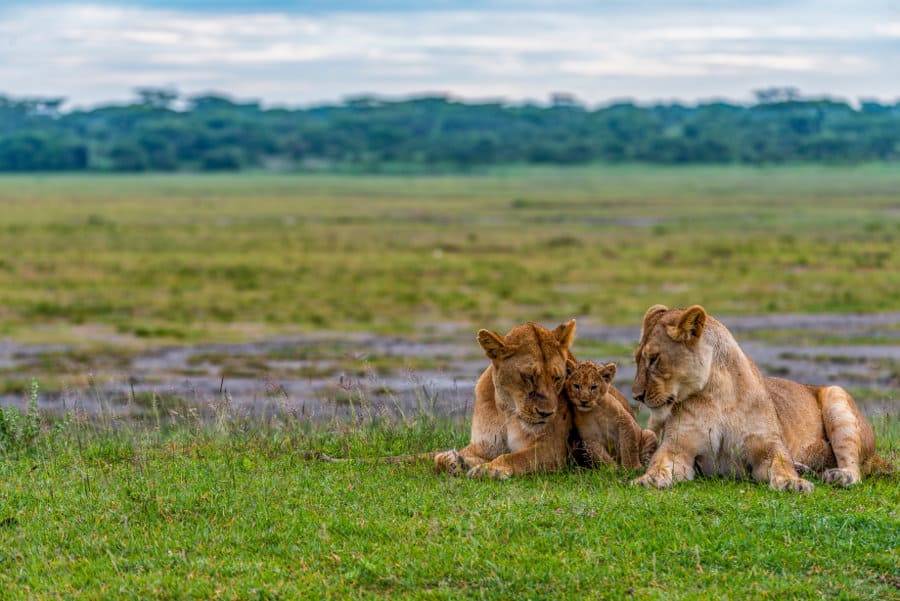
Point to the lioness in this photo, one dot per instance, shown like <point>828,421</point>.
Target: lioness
<point>604,421</point>
<point>520,424</point>
<point>716,410</point>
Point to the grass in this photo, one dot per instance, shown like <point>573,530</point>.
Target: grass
<point>796,337</point>
<point>188,504</point>
<point>235,512</point>
<point>184,258</point>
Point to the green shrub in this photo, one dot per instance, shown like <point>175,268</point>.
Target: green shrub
<point>24,431</point>
<point>19,430</point>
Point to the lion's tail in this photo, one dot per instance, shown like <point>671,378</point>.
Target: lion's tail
<point>875,465</point>
<point>409,458</point>
<point>320,456</point>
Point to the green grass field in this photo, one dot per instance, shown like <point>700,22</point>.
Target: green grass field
<point>184,508</point>
<point>239,514</point>
<point>197,258</point>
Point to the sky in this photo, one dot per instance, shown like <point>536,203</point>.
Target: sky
<point>302,53</point>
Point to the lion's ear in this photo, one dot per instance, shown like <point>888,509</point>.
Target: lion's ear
<point>570,366</point>
<point>493,345</point>
<point>690,325</point>
<point>608,372</point>
<point>565,333</point>
<point>651,317</point>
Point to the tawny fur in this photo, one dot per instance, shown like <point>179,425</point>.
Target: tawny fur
<point>607,431</point>
<point>520,422</point>
<point>714,409</point>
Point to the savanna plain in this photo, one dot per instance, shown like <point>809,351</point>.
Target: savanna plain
<point>325,312</point>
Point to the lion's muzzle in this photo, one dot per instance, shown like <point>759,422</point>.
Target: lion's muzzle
<point>656,402</point>
<point>535,417</point>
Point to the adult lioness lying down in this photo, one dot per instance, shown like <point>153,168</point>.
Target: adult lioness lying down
<point>520,422</point>
<point>715,410</point>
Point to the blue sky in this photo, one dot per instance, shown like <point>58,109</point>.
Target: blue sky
<point>294,52</point>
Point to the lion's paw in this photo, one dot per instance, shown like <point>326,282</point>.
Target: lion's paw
<point>451,462</point>
<point>802,468</point>
<point>792,484</point>
<point>495,472</point>
<point>653,480</point>
<point>840,477</point>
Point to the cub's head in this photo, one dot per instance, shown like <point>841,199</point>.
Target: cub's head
<point>529,368</point>
<point>588,383</point>
<point>673,358</point>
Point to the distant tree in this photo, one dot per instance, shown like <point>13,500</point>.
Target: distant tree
<point>209,102</point>
<point>873,107</point>
<point>159,151</point>
<point>157,98</point>
<point>215,132</point>
<point>777,94</point>
<point>45,106</point>
<point>363,101</point>
<point>563,99</point>
<point>227,158</point>
<point>128,155</point>
<point>41,152</point>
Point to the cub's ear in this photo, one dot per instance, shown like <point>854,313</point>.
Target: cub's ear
<point>570,366</point>
<point>690,325</point>
<point>493,345</point>
<point>565,333</point>
<point>608,372</point>
<point>651,317</point>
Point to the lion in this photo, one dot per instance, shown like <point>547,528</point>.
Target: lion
<point>520,421</point>
<point>715,410</point>
<point>604,421</point>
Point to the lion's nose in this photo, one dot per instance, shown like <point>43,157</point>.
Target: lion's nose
<point>543,413</point>
<point>639,397</point>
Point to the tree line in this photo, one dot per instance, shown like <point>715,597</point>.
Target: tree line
<point>160,131</point>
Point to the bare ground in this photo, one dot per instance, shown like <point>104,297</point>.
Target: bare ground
<point>342,375</point>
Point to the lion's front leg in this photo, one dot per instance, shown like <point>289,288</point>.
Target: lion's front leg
<point>673,460</point>
<point>598,453</point>
<point>781,475</point>
<point>657,420</point>
<point>629,443</point>
<point>666,468</point>
<point>526,461</point>
<point>649,444</point>
<point>457,463</point>
<point>772,463</point>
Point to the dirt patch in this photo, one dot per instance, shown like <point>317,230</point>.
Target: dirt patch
<point>333,375</point>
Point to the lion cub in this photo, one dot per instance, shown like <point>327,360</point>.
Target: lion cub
<point>606,426</point>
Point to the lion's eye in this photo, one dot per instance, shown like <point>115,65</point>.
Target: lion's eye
<point>651,360</point>
<point>528,379</point>
<point>576,386</point>
<point>593,387</point>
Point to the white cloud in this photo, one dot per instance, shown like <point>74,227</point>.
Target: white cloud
<point>159,38</point>
<point>94,53</point>
<point>775,62</point>
<point>626,66</point>
<point>890,30</point>
<point>699,33</point>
